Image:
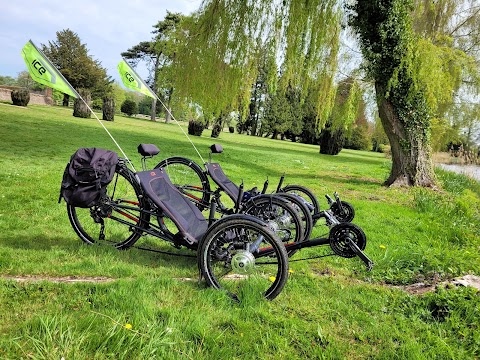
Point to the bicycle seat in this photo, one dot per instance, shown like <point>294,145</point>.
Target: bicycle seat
<point>189,220</point>
<point>218,176</point>
<point>148,150</point>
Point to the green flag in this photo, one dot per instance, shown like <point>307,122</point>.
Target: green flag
<point>44,72</point>
<point>132,81</point>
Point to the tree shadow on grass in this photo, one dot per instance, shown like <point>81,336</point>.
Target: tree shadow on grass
<point>184,259</point>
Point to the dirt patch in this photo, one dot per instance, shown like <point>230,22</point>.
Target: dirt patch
<point>422,288</point>
<point>57,279</point>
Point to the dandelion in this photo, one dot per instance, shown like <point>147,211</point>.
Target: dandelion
<point>271,278</point>
<point>383,247</point>
<point>290,271</point>
<point>128,326</point>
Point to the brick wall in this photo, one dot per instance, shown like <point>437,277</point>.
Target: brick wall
<point>35,98</point>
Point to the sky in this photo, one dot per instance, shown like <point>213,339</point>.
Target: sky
<point>107,27</point>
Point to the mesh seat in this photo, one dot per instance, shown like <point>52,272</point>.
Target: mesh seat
<point>218,176</point>
<point>186,216</point>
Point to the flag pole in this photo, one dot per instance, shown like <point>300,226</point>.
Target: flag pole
<point>153,95</point>
<point>40,75</point>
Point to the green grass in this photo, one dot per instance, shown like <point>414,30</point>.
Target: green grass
<point>331,307</point>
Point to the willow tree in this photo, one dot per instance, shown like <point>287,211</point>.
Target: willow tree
<point>226,39</point>
<point>413,75</point>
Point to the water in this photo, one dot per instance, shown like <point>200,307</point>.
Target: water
<point>472,171</point>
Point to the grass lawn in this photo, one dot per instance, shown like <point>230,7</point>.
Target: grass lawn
<point>150,305</point>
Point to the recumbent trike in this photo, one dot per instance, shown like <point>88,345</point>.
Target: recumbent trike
<point>238,253</point>
<point>193,182</point>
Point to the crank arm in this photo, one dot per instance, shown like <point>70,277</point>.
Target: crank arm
<point>369,263</point>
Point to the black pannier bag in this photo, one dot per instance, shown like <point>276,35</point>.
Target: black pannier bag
<point>87,175</point>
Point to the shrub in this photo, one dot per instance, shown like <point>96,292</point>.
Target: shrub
<point>20,97</point>
<point>129,107</point>
<point>195,128</point>
<point>231,129</point>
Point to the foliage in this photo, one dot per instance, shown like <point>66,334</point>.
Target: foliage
<point>195,127</point>
<point>227,40</point>
<point>20,97</point>
<point>158,54</point>
<point>119,95</point>
<point>129,107</point>
<point>359,139</point>
<point>80,108</point>
<point>7,80</point>
<point>24,80</point>
<point>71,58</point>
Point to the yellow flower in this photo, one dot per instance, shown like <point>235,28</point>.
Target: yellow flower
<point>383,247</point>
<point>290,271</point>
<point>271,278</point>
<point>128,326</point>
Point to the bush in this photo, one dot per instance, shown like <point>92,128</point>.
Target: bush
<point>231,129</point>
<point>359,140</point>
<point>195,128</point>
<point>20,97</point>
<point>129,107</point>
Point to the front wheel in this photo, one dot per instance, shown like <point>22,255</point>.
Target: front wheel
<point>230,258</point>
<point>280,216</point>
<point>189,178</point>
<point>306,194</point>
<point>117,218</point>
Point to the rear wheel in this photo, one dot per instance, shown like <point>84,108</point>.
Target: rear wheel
<point>280,217</point>
<point>189,178</point>
<point>116,219</point>
<point>308,196</point>
<point>302,210</point>
<point>230,259</point>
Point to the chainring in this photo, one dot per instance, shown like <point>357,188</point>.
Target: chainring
<point>345,214</point>
<point>339,236</point>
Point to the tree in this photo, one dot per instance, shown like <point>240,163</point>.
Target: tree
<point>158,54</point>
<point>25,80</point>
<point>7,80</point>
<point>412,77</point>
<point>342,118</point>
<point>129,107</point>
<point>226,40</point>
<point>71,58</point>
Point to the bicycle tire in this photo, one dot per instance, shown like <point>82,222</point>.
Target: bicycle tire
<point>227,264</point>
<point>307,195</point>
<point>122,190</point>
<point>189,178</point>
<point>279,215</point>
<point>302,210</point>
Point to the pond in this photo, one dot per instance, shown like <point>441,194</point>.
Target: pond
<point>469,170</point>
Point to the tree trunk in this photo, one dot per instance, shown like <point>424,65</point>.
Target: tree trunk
<point>168,111</point>
<point>411,154</point>
<point>108,109</point>
<point>154,110</point>
<point>66,99</point>
<point>80,109</point>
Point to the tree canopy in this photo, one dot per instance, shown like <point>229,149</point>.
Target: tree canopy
<point>71,58</point>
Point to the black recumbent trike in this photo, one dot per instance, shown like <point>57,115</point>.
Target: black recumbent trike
<point>239,253</point>
<point>193,181</point>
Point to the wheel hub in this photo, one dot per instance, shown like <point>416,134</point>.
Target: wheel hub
<point>243,262</point>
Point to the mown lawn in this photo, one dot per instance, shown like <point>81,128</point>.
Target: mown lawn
<point>331,307</point>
